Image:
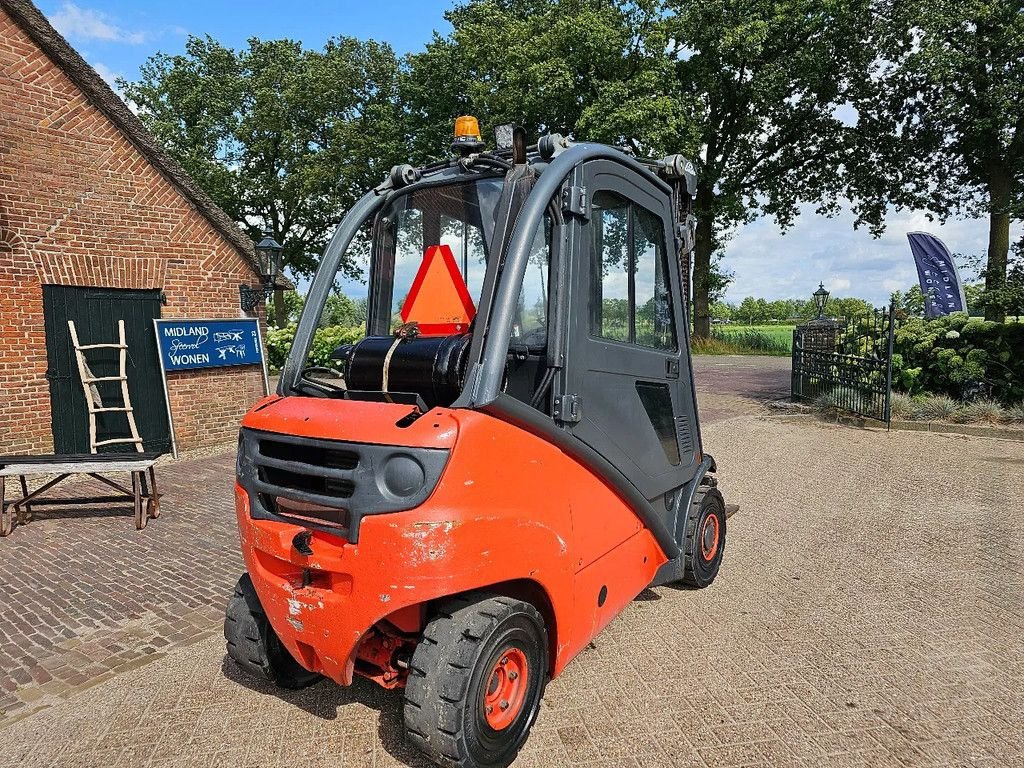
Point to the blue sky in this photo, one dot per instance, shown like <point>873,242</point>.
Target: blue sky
<point>117,36</point>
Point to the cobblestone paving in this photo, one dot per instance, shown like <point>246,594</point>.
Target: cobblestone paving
<point>731,385</point>
<point>869,613</point>
<point>85,595</point>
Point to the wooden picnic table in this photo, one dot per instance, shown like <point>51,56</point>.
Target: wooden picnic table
<point>140,465</point>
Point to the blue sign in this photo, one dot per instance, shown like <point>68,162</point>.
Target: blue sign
<point>188,344</point>
<point>937,274</point>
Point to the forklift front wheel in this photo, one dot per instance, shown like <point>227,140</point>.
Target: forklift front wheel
<point>476,680</point>
<point>705,538</point>
<point>254,645</point>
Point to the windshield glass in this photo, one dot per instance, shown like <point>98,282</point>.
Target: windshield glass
<point>459,216</point>
<point>373,283</point>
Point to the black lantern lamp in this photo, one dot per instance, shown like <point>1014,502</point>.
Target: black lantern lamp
<point>269,253</point>
<point>820,300</point>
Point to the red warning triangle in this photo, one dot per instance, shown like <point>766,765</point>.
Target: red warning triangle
<point>439,301</point>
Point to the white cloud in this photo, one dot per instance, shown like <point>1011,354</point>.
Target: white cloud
<point>106,73</point>
<point>80,24</point>
<point>849,262</point>
<point>111,77</point>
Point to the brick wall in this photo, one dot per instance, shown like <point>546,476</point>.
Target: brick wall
<point>79,205</point>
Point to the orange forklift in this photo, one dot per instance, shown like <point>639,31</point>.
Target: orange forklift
<point>459,502</point>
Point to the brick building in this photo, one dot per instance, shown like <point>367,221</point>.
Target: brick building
<point>98,224</point>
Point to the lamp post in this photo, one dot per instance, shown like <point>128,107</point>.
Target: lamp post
<point>268,258</point>
<point>820,300</point>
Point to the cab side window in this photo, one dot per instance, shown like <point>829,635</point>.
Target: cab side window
<point>652,318</point>
<point>610,309</point>
<point>532,312</point>
<point>527,378</point>
<point>630,297</point>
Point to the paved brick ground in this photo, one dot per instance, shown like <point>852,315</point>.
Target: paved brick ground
<point>869,613</point>
<point>730,385</point>
<point>84,594</point>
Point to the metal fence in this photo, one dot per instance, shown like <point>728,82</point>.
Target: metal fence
<point>846,363</point>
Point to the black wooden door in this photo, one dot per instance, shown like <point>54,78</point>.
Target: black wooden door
<point>95,312</point>
<point>627,360</point>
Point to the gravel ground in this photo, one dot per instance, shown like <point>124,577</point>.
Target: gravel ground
<point>869,613</point>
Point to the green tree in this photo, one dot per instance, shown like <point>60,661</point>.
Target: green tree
<point>910,302</point>
<point>721,311</point>
<point>940,117</point>
<point>752,311</point>
<point>973,293</point>
<point>1008,297</point>
<point>766,80</point>
<point>340,310</point>
<point>615,319</point>
<point>847,307</point>
<point>593,68</point>
<point>748,88</point>
<point>293,303</point>
<point>803,309</point>
<point>836,306</point>
<point>278,135</point>
<point>780,310</point>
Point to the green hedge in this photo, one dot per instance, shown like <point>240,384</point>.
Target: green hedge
<point>950,354</point>
<point>325,341</point>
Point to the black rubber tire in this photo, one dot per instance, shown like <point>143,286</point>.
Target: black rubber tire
<point>700,571</point>
<point>254,645</point>
<point>449,670</point>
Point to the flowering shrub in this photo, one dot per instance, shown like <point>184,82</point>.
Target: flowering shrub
<point>960,356</point>
<point>325,341</point>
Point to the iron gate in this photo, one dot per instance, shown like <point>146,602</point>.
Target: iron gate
<point>847,363</point>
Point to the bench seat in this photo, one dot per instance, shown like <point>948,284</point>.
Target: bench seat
<point>139,465</point>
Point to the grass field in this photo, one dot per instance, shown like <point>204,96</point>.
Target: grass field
<point>747,340</point>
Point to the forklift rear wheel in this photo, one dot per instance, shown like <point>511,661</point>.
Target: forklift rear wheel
<point>705,538</point>
<point>254,645</point>
<point>476,680</point>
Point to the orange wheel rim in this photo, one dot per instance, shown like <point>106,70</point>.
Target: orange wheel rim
<point>506,689</point>
<point>709,538</point>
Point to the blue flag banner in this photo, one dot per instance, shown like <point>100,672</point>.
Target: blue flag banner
<point>189,344</point>
<point>940,282</point>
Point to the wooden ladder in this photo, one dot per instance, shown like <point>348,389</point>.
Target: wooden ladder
<point>92,393</point>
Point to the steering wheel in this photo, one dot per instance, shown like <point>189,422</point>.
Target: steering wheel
<point>321,369</point>
<point>534,343</point>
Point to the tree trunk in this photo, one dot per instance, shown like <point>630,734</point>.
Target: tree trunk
<point>704,245</point>
<point>280,310</point>
<point>998,237</point>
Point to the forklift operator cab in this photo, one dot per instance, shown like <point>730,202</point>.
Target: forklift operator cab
<point>463,499</point>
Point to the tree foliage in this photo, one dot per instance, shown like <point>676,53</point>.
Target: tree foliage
<point>941,125</point>
<point>960,357</point>
<point>755,311</point>
<point>595,69</point>
<point>278,135</point>
<point>770,77</point>
<point>747,88</point>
